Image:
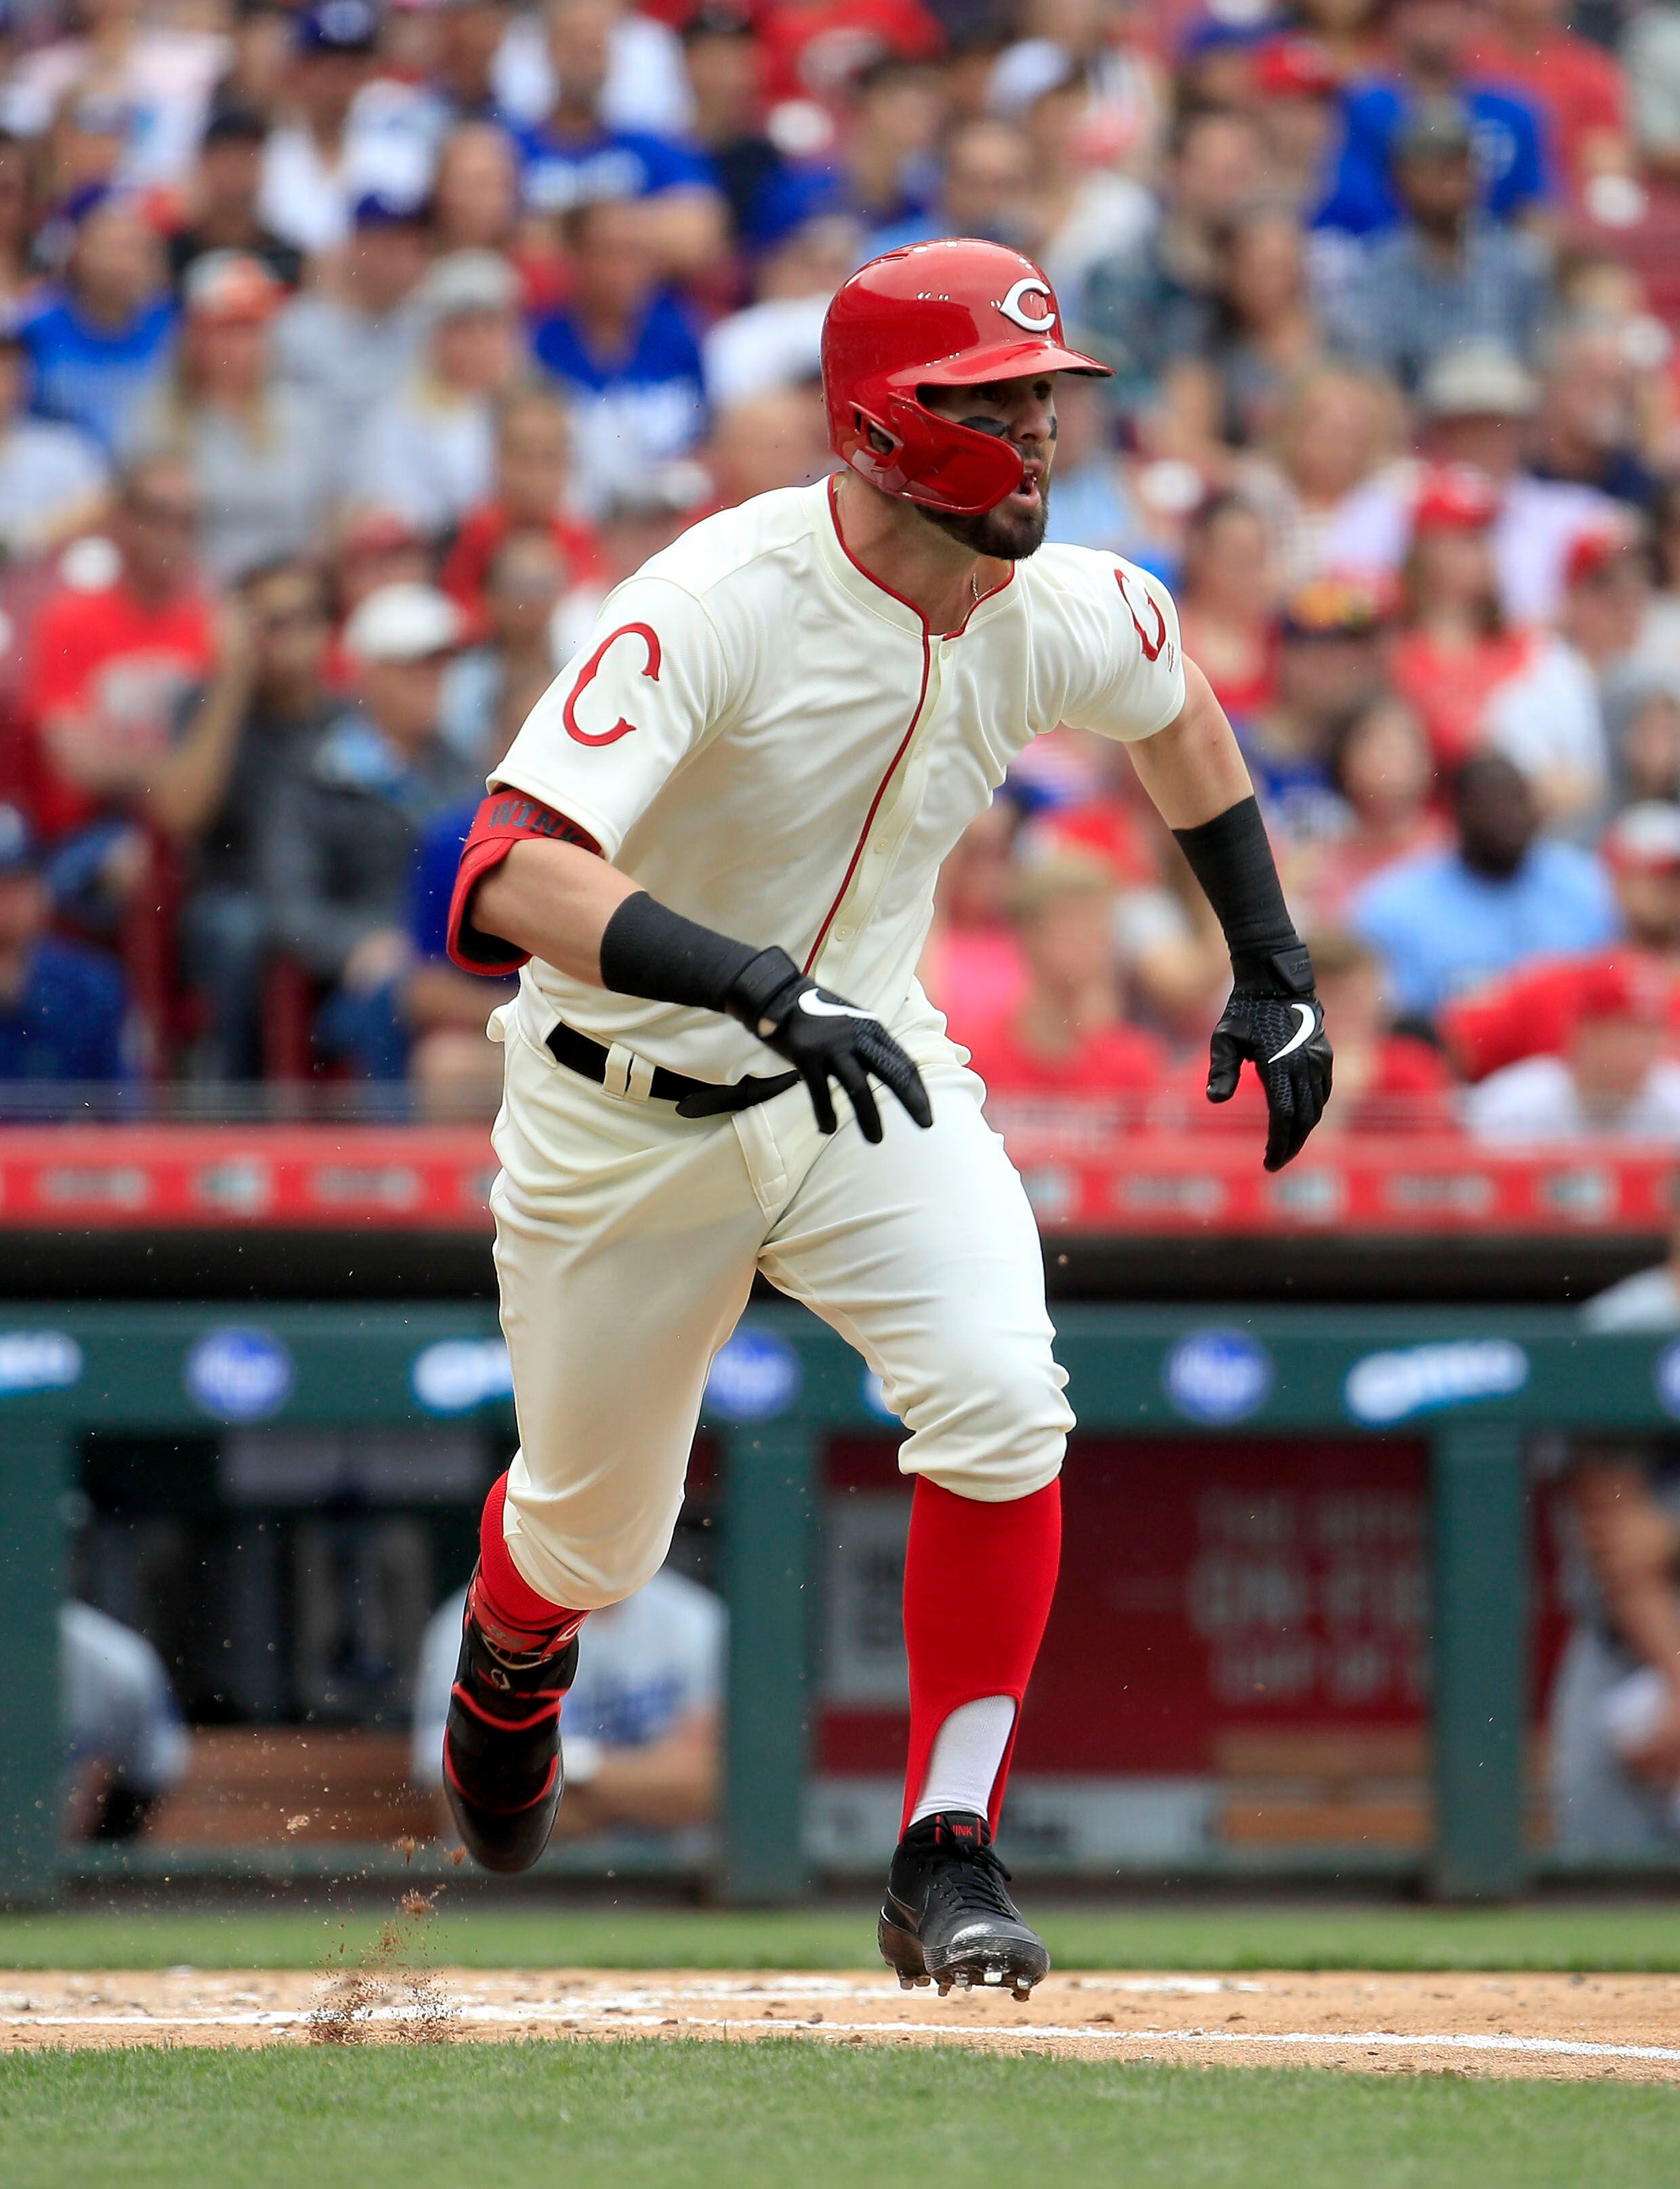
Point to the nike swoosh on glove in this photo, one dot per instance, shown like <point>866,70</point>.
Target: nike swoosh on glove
<point>1275,1021</point>
<point>825,1038</point>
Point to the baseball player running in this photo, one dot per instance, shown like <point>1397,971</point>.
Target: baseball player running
<point>712,850</point>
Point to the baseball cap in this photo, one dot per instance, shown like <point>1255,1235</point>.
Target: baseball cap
<point>1435,129</point>
<point>1333,608</point>
<point>235,124</point>
<point>1454,498</point>
<point>1294,66</point>
<point>468,281</point>
<point>403,623</point>
<point>1644,838</point>
<point>382,209</point>
<point>17,843</point>
<point>1594,549</point>
<point>1478,380</point>
<point>230,285</point>
<point>336,26</point>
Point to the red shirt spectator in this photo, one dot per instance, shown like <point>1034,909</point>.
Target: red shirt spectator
<point>110,666</point>
<point>533,463</point>
<point>1578,88</point>
<point>1533,1011</point>
<point>816,49</point>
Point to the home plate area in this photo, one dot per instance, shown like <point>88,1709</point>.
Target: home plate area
<point>1623,2028</point>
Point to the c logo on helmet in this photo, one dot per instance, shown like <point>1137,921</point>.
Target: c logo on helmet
<point>621,728</point>
<point>1013,305</point>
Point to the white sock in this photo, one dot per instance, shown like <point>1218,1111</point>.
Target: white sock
<point>968,1754</point>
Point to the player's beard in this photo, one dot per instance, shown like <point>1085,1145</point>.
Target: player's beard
<point>1010,534</point>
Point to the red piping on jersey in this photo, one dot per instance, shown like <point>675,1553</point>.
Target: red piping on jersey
<point>915,718</point>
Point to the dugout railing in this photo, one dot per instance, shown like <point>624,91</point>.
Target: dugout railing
<point>1475,1384</point>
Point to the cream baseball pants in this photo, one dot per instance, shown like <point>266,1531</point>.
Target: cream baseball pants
<point>626,1242</point>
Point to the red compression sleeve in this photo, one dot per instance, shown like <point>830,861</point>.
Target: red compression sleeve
<point>504,1602</point>
<point>978,1581</point>
<point>504,818</point>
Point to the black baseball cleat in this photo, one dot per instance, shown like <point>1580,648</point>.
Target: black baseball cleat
<point>948,1918</point>
<point>502,1770</point>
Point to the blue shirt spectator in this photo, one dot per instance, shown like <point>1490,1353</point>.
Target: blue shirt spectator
<point>1511,161</point>
<point>99,343</point>
<point>627,355</point>
<point>1447,921</point>
<point>64,1008</point>
<point>560,172</point>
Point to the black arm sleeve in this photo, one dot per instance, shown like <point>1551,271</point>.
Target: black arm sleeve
<point>649,950</point>
<point>1231,858</point>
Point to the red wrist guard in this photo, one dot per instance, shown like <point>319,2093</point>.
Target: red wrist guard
<point>503,819</point>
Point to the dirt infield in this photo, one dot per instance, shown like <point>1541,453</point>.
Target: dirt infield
<point>1624,2028</point>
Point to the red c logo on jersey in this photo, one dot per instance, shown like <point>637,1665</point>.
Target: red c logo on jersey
<point>621,728</point>
<point>1152,646</point>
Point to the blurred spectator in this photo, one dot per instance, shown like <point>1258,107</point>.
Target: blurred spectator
<point>1573,85</point>
<point>765,192</point>
<point>1332,465</point>
<point>338,839</point>
<point>63,1009</point>
<point>351,341</point>
<point>1587,430</point>
<point>251,728</point>
<point>624,349</point>
<point>429,454</point>
<point>1144,301</point>
<point>1258,334</point>
<point>1475,404</point>
<point>339,139</point>
<point>1228,601</point>
<point>644,87</point>
<point>818,48</point>
<point>1445,921</point>
<point>1093,504</point>
<point>1066,1038</point>
<point>1642,720</point>
<point>98,340</point>
<point>125,1741</point>
<point>17,218</point>
<point>474,204</point>
<point>1612,1077</point>
<point>972,963</point>
<point>888,167</point>
<point>491,687</point>
<point>468,37</point>
<point>778,440</point>
<point>260,450</point>
<point>110,663</point>
<point>575,157</point>
<point>1530,1012</point>
<point>1446,276</point>
<point>532,493</point>
<point>642,1718</point>
<point>1456,647</point>
<point>373,549</point>
<point>1650,61</point>
<point>985,189</point>
<point>1296,83</point>
<point>162,76</point>
<point>1329,667</point>
<point>1381,768</point>
<point>1429,56</point>
<point>226,184</point>
<point>777,341</point>
<point>53,478</point>
<point>1084,211</point>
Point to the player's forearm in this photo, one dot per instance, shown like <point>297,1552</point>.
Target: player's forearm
<point>1631,1545</point>
<point>554,901</point>
<point>1193,769</point>
<point>668,1783</point>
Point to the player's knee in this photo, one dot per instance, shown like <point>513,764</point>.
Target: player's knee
<point>992,1424</point>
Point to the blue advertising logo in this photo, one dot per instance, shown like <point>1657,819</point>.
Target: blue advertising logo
<point>38,1360</point>
<point>460,1373</point>
<point>1666,1377</point>
<point>1386,1388</point>
<point>239,1375</point>
<point>754,1377</point>
<point>1218,1376</point>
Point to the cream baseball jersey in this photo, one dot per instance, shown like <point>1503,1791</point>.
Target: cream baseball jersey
<point>772,743</point>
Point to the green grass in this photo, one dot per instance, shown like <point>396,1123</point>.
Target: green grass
<point>1614,1935</point>
<point>699,2116</point>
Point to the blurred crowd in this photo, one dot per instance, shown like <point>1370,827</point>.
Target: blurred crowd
<point>350,353</point>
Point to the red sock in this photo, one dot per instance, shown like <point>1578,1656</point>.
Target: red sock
<point>978,1581</point>
<point>504,1603</point>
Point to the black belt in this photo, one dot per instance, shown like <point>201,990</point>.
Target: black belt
<point>694,1098</point>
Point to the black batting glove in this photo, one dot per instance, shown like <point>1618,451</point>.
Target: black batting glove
<point>824,1038</point>
<point>1277,1022</point>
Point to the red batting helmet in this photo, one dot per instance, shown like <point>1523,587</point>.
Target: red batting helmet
<point>946,314</point>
